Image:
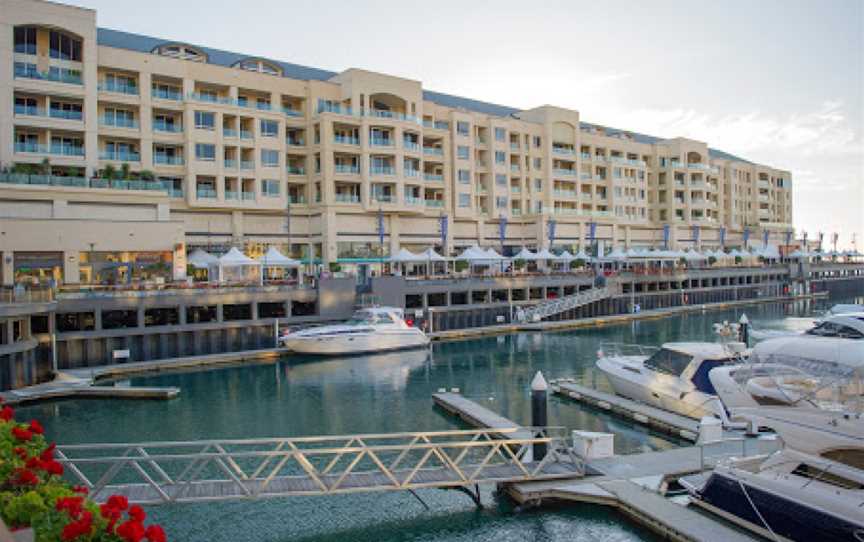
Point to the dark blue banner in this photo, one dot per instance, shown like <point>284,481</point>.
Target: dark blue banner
<point>443,227</point>
<point>746,237</point>
<point>666,232</point>
<point>502,228</point>
<point>592,230</point>
<point>722,236</point>
<point>381,228</point>
<point>788,237</point>
<point>551,232</point>
<point>765,236</point>
<point>695,234</point>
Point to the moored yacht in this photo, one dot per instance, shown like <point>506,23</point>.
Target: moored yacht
<point>840,325</point>
<point>812,489</point>
<point>376,329</point>
<point>674,377</point>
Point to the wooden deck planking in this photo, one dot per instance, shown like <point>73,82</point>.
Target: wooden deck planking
<point>478,415</point>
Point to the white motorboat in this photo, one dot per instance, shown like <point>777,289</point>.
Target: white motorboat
<point>812,489</point>
<point>376,329</point>
<point>843,325</point>
<point>673,378</point>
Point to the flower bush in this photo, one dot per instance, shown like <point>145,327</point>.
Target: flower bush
<point>34,495</point>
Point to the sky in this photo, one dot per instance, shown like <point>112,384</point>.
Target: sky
<point>778,82</point>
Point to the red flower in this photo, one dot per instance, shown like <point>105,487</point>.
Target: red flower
<point>154,533</point>
<point>34,463</point>
<point>24,477</point>
<point>48,453</point>
<point>20,452</point>
<point>52,467</point>
<point>118,502</point>
<point>79,527</point>
<point>131,531</point>
<point>80,489</point>
<point>22,434</point>
<point>6,413</point>
<point>137,513</point>
<point>72,505</point>
<point>36,427</point>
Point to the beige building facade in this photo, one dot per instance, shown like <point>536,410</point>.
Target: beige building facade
<point>116,145</point>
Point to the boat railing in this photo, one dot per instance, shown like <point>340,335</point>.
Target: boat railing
<point>713,452</point>
<point>623,349</point>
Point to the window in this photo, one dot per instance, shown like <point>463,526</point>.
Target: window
<point>462,128</point>
<point>538,185</point>
<point>167,316</point>
<point>501,180</point>
<point>205,151</point>
<point>25,40</point>
<point>269,128</point>
<point>270,187</point>
<point>236,312</point>
<point>205,120</point>
<point>464,200</point>
<point>119,319</point>
<point>537,141</point>
<point>463,152</point>
<point>500,134</point>
<point>64,47</point>
<point>464,176</point>
<point>76,321</point>
<point>500,157</point>
<point>501,202</point>
<point>538,206</point>
<point>668,362</point>
<point>200,314</point>
<point>269,157</point>
<point>538,163</point>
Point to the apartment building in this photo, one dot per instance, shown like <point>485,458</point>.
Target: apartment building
<point>124,148</point>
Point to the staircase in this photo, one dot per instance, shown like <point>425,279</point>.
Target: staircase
<point>566,303</point>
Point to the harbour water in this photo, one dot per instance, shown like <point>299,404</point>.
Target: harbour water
<point>388,393</point>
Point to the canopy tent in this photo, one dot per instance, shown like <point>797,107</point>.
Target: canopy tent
<point>430,255</point>
<point>526,255</point>
<point>565,257</point>
<point>235,261</point>
<point>545,255</point>
<point>200,259</point>
<point>582,255</point>
<point>492,255</point>
<point>694,256</point>
<point>476,254</point>
<point>616,254</point>
<point>406,256</point>
<point>274,258</point>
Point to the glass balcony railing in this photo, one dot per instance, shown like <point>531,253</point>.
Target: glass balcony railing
<point>411,172</point>
<point>382,170</point>
<point>168,159</point>
<point>247,164</point>
<point>346,140</point>
<point>382,198</point>
<point>83,182</point>
<point>413,200</point>
<point>564,172</point>
<point>119,88</point>
<point>290,112</point>
<point>232,195</point>
<point>40,148</point>
<point>164,94</point>
<point>347,169</point>
<point>411,145</point>
<point>167,127</point>
<point>56,75</point>
<point>436,151</point>
<point>434,203</point>
<point>229,132</point>
<point>294,198</point>
<point>246,134</point>
<point>66,150</point>
<point>381,142</point>
<point>65,114</point>
<point>29,110</point>
<point>118,122</point>
<point>205,192</point>
<point>231,163</point>
<point>295,142</point>
<point>247,196</point>
<point>342,197</point>
<point>563,150</point>
<point>295,170</point>
<point>437,177</point>
<point>210,98</point>
<point>120,156</point>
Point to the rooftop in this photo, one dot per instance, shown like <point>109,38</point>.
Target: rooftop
<point>145,44</point>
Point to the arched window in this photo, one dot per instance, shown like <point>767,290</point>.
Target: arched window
<point>181,51</point>
<point>259,65</point>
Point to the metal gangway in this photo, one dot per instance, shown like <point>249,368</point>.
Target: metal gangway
<point>210,470</point>
<point>566,303</point>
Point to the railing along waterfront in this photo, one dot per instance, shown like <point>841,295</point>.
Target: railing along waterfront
<point>29,295</point>
<point>84,182</point>
<point>208,470</point>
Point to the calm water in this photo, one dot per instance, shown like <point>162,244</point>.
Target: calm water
<point>388,393</point>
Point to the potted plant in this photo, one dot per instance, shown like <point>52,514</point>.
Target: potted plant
<point>519,264</point>
<point>712,260</point>
<point>335,267</point>
<point>461,265</point>
<point>124,171</point>
<point>738,260</point>
<point>578,263</point>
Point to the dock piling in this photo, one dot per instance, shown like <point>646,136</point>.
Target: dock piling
<point>539,413</point>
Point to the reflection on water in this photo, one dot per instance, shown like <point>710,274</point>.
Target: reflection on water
<point>386,393</point>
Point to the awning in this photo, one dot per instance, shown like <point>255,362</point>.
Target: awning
<point>406,256</point>
<point>274,258</point>
<point>235,258</point>
<point>199,259</point>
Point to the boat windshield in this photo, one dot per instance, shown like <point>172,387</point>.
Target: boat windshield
<point>669,362</point>
<point>832,329</point>
<point>363,318</point>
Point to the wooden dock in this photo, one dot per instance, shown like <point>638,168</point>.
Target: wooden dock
<point>662,420</point>
<point>477,415</point>
<point>87,391</point>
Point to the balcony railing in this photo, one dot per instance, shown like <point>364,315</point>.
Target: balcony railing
<point>295,142</point>
<point>162,94</point>
<point>168,159</point>
<point>232,195</point>
<point>247,164</point>
<point>295,170</point>
<point>39,148</point>
<point>31,111</point>
<point>563,150</point>
<point>229,132</point>
<point>54,113</point>
<point>436,151</point>
<point>381,142</point>
<point>434,203</point>
<point>118,122</point>
<point>210,99</point>
<point>246,134</point>
<point>83,182</point>
<point>346,140</point>
<point>29,71</point>
<point>296,198</point>
<point>411,145</point>
<point>342,197</point>
<point>167,127</point>
<point>231,163</point>
<point>248,196</point>
<point>203,192</point>
<point>382,170</point>
<point>119,88</point>
<point>411,172</point>
<point>586,155</point>
<point>289,112</point>
<point>437,177</point>
<point>413,200</point>
<point>120,156</point>
<point>347,169</point>
<point>564,172</point>
<point>382,198</point>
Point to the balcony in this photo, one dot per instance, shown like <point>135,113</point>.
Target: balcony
<point>514,168</point>
<point>437,177</point>
<point>347,169</point>
<point>232,195</point>
<point>563,151</point>
<point>436,203</point>
<point>294,142</point>
<point>585,176</point>
<point>564,172</point>
<point>382,198</point>
<point>248,196</point>
<point>118,122</point>
<point>381,142</point>
<point>230,163</point>
<point>289,112</point>
<point>382,170</point>
<point>246,134</point>
<point>247,164</point>
<point>586,155</point>
<point>162,94</point>
<point>411,145</point>
<point>170,128</point>
<point>120,156</point>
<point>260,106</point>
<point>295,170</point>
<point>383,114</point>
<point>565,193</point>
<point>210,98</point>
<point>299,198</point>
<point>346,140</point>
<point>203,192</point>
<point>229,132</point>
<point>411,172</point>
<point>413,200</point>
<point>118,88</point>
<point>514,146</point>
<point>38,148</point>
<point>434,151</point>
<point>29,71</point>
<point>342,197</point>
<point>53,113</point>
<point>168,160</point>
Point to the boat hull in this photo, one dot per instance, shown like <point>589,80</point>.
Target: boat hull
<point>787,518</point>
<point>329,345</point>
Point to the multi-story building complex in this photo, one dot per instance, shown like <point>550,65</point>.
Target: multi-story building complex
<point>129,150</point>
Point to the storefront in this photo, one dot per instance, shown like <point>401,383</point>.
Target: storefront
<point>38,268</point>
<point>118,268</point>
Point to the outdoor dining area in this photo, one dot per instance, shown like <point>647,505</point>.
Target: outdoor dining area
<point>235,267</point>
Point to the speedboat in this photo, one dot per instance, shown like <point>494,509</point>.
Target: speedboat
<point>811,489</point>
<point>843,325</point>
<point>375,329</point>
<point>674,378</point>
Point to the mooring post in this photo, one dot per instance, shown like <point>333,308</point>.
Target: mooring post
<point>744,330</point>
<point>539,415</point>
